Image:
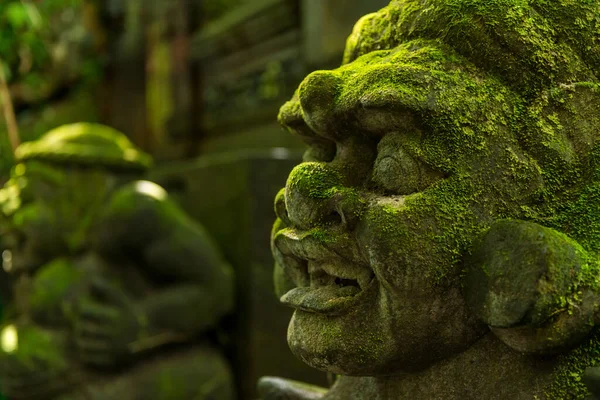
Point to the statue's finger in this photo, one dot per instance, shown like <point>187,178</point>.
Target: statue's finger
<point>86,329</point>
<point>107,293</point>
<point>96,312</point>
<point>92,344</point>
<point>99,359</point>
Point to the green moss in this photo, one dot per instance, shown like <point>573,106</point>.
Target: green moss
<point>567,383</point>
<point>581,218</point>
<point>321,235</point>
<point>536,38</point>
<point>450,225</point>
<point>85,144</point>
<point>314,180</point>
<point>169,386</point>
<point>50,286</point>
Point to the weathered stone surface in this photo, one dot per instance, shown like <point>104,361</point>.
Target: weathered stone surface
<point>116,290</point>
<point>441,238</point>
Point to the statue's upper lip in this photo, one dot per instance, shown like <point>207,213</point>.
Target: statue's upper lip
<point>329,279</point>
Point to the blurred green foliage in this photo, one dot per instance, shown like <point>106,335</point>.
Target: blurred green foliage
<point>213,9</point>
<point>35,36</point>
<point>1,319</point>
<point>24,35</point>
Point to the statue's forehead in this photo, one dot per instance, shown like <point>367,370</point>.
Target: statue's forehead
<point>430,54</point>
<point>547,42</point>
<point>418,78</point>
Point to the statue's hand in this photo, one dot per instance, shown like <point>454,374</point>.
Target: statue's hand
<point>271,388</point>
<point>106,324</point>
<point>527,282</point>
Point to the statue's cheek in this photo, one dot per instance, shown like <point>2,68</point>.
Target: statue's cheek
<point>411,247</point>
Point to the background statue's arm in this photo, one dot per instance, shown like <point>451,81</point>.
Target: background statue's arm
<point>144,224</point>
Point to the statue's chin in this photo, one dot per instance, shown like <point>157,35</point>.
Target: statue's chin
<point>339,364</point>
<point>325,344</point>
<point>345,345</point>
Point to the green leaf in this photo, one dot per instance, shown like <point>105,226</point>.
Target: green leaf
<point>17,15</point>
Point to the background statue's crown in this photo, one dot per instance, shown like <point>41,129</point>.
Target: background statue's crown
<point>85,144</point>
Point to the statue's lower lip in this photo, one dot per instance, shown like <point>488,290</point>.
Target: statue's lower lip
<point>329,300</point>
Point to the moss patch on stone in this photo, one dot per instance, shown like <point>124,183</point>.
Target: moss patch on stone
<point>318,182</point>
<point>567,383</point>
<point>546,41</point>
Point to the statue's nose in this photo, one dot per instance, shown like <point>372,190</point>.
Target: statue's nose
<point>318,94</point>
<point>316,195</point>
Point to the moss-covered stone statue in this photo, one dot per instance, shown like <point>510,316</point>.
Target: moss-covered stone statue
<point>116,289</point>
<point>442,238</point>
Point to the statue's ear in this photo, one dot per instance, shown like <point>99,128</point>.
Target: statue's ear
<point>526,282</point>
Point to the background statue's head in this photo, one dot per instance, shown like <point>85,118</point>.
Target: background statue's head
<point>58,185</point>
<point>445,117</point>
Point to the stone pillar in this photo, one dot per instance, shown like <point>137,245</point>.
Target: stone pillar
<point>232,195</point>
<point>125,104</point>
<point>251,62</point>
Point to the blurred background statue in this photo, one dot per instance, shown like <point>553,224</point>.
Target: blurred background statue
<point>116,290</point>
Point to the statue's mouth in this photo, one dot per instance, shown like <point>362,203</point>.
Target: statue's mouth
<point>329,292</point>
<point>327,283</point>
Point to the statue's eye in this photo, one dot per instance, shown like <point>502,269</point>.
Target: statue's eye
<point>397,171</point>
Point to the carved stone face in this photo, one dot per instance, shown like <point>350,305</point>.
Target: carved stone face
<point>413,153</point>
<point>49,209</point>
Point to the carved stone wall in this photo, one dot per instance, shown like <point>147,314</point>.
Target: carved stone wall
<point>188,77</point>
<point>254,56</point>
